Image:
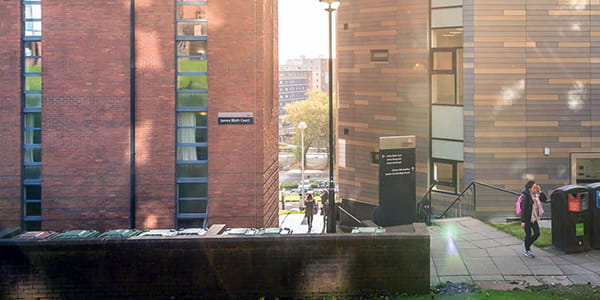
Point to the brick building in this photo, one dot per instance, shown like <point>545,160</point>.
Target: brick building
<point>495,91</point>
<point>293,86</point>
<point>110,114</point>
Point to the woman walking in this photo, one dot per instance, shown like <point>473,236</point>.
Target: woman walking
<point>531,212</point>
<point>309,204</point>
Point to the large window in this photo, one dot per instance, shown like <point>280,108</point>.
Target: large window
<point>447,95</point>
<point>192,117</point>
<point>32,116</point>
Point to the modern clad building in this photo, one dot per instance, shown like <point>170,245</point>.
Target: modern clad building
<point>147,114</point>
<point>495,91</point>
<point>293,86</point>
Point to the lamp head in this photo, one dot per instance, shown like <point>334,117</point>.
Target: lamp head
<point>302,125</point>
<point>334,4</point>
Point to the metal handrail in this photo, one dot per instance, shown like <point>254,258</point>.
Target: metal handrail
<point>474,184</point>
<point>350,215</point>
<point>425,203</point>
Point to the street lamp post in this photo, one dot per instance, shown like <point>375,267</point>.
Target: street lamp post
<point>302,126</point>
<point>331,6</point>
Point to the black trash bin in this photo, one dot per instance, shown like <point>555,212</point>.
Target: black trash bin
<point>571,219</point>
<point>595,213</point>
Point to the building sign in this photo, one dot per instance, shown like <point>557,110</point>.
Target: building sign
<point>397,182</point>
<point>236,118</point>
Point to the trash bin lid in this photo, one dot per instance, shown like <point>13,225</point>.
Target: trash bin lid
<point>76,234</point>
<point>35,235</point>
<point>368,229</point>
<point>160,232</point>
<point>594,186</point>
<point>570,189</point>
<point>192,231</point>
<point>120,233</point>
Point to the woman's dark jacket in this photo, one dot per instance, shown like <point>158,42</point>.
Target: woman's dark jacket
<point>527,205</point>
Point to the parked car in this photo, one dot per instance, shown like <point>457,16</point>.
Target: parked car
<point>322,184</point>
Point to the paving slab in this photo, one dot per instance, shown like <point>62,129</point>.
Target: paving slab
<point>554,280</point>
<point>481,266</point>
<point>546,270</point>
<point>511,266</point>
<point>585,279</point>
<point>537,261</point>
<point>474,253</point>
<point>486,243</point>
<point>574,270</point>
<point>501,251</point>
<point>450,267</point>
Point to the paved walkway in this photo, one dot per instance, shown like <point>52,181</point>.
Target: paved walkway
<point>298,224</point>
<point>468,250</point>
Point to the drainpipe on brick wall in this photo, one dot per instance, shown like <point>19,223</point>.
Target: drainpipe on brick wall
<point>132,114</point>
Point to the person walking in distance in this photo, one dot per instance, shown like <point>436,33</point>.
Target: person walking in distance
<point>531,212</point>
<point>324,206</point>
<point>309,204</point>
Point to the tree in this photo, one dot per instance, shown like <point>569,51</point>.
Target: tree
<point>314,111</point>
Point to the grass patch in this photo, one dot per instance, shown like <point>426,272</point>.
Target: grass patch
<point>296,198</point>
<point>289,212</point>
<point>514,229</point>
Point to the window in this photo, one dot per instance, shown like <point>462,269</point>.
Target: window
<point>447,17</point>
<point>378,55</point>
<point>192,116</point>
<point>447,38</point>
<point>448,175</point>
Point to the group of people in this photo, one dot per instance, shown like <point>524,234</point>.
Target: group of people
<point>311,207</point>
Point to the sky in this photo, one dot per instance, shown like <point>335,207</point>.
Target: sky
<point>303,29</point>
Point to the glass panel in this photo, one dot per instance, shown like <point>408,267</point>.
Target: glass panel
<point>33,209</point>
<point>32,155</point>
<point>460,168</point>
<point>442,89</point>
<point>588,170</point>
<point>459,76</point>
<point>33,28</point>
<point>447,122</point>
<point>33,137</point>
<point>192,206</point>
<point>447,150</point>
<point>33,226</point>
<point>191,223</point>
<point>191,12</point>
<point>33,100</point>
<point>445,38</point>
<point>33,83</point>
<point>33,172</point>
<point>447,17</point>
<point>192,190</point>
<point>191,135</point>
<point>192,99</point>
<point>33,120</point>
<point>191,28</point>
<point>33,11</point>
<point>33,65</point>
<point>33,192</point>
<point>191,65</point>
<point>189,48</point>
<point>442,61</point>
<point>443,173</point>
<point>444,3</point>
<point>192,82</point>
<point>192,170</point>
<point>33,48</point>
<point>192,119</point>
<point>192,153</point>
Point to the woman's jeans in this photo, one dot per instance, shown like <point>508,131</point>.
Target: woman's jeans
<point>529,239</point>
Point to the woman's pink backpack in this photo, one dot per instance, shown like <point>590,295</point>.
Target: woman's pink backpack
<point>518,204</point>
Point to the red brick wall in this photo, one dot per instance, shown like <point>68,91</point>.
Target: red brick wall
<point>155,114</point>
<point>10,114</point>
<point>240,73</point>
<point>85,115</point>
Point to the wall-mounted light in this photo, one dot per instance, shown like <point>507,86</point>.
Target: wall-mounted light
<point>546,151</point>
